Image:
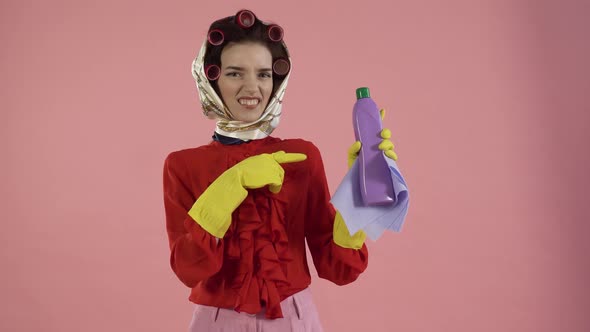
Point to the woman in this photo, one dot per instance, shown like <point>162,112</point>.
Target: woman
<point>239,210</point>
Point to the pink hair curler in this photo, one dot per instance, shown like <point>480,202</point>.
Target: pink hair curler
<point>212,72</point>
<point>215,37</point>
<point>245,18</point>
<point>275,33</point>
<point>281,67</point>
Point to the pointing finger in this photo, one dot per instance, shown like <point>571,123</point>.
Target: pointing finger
<point>282,158</point>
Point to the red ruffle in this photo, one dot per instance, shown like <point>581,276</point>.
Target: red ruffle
<point>258,240</point>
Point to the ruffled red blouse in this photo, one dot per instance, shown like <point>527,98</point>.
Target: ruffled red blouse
<point>261,260</point>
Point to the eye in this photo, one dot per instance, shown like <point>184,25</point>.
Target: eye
<point>265,75</point>
<point>233,74</point>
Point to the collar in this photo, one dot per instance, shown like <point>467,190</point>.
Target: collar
<point>226,140</point>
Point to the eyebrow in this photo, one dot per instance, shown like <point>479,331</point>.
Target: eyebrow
<point>242,69</point>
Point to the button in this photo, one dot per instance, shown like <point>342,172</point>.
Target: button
<point>246,155</point>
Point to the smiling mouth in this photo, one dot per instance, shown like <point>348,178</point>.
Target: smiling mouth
<point>249,102</point>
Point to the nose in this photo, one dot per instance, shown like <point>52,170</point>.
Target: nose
<point>251,84</point>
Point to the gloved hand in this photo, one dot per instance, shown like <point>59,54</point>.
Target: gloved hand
<point>342,236</point>
<point>213,209</point>
<point>386,145</point>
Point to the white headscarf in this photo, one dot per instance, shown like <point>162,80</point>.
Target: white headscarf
<point>226,125</point>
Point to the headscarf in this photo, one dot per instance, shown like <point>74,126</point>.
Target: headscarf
<point>226,125</point>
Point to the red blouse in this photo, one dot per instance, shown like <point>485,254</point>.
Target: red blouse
<point>261,260</point>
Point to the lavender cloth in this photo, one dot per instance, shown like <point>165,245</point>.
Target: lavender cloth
<point>374,220</point>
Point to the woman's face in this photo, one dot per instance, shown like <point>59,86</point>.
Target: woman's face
<point>246,79</point>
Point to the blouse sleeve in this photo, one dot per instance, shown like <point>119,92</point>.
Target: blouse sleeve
<point>195,254</point>
<point>332,262</point>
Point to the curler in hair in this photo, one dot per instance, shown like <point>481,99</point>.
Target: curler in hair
<point>281,67</point>
<point>212,72</point>
<point>215,37</point>
<point>245,18</point>
<point>275,33</point>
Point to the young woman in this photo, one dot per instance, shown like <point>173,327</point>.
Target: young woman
<point>240,209</point>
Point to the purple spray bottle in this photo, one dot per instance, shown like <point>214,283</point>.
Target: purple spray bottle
<point>374,175</point>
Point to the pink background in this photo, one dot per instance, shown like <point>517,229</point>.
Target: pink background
<point>487,102</point>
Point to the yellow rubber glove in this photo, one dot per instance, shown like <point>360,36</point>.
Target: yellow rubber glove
<point>342,236</point>
<point>213,209</point>
<point>386,145</point>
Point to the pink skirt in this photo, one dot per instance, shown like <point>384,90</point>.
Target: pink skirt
<point>299,315</point>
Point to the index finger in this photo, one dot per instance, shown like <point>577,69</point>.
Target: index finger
<point>282,158</point>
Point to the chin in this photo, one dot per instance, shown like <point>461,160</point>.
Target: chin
<point>249,118</point>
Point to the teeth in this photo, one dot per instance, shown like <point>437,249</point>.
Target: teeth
<point>249,102</point>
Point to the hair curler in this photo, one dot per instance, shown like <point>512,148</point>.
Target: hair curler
<point>275,33</point>
<point>245,18</point>
<point>281,67</point>
<point>374,174</point>
<point>215,37</point>
<point>212,72</point>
